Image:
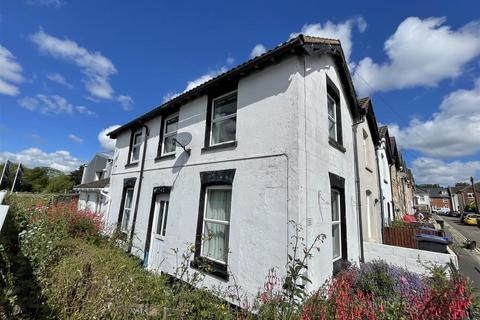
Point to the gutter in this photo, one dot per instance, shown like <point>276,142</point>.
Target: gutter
<point>140,179</point>
<point>357,186</point>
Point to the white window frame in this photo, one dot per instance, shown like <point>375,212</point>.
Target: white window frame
<point>333,119</point>
<point>163,226</point>
<point>470,195</point>
<point>125,230</point>
<point>169,134</point>
<point>337,222</point>
<point>445,200</point>
<point>230,116</point>
<point>136,145</point>
<point>366,149</point>
<point>227,223</point>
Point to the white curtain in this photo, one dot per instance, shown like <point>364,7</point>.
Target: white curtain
<point>215,244</point>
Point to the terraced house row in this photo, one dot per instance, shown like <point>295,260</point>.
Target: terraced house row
<point>227,165</point>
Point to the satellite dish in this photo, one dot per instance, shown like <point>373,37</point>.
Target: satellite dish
<point>183,139</point>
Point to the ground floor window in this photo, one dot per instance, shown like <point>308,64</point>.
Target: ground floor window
<point>339,225</point>
<point>127,210</point>
<point>336,228</point>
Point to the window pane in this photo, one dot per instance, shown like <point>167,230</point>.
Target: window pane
<point>215,244</point>
<point>331,107</point>
<point>335,206</point>
<point>160,217</point>
<point>135,153</point>
<point>125,219</point>
<point>169,144</point>
<point>128,199</point>
<point>137,138</point>
<point>224,130</point>
<point>225,106</point>
<point>332,129</point>
<point>218,205</point>
<point>171,125</point>
<point>165,214</point>
<point>336,240</point>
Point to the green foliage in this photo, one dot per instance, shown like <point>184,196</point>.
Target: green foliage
<point>76,175</point>
<point>60,184</point>
<point>428,185</point>
<point>462,184</point>
<point>470,206</point>
<point>35,180</point>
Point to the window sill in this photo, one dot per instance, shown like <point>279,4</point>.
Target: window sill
<point>131,165</point>
<point>336,145</point>
<point>165,157</point>
<point>213,268</point>
<point>226,145</point>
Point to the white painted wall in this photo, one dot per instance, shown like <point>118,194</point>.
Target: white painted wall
<point>367,165</point>
<point>282,162</point>
<point>413,259</point>
<point>96,202</point>
<point>385,182</point>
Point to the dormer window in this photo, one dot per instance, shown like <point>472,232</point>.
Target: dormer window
<point>136,144</point>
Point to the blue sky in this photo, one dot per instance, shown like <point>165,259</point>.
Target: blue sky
<point>70,69</point>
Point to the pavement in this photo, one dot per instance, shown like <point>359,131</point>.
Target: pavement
<point>468,260</point>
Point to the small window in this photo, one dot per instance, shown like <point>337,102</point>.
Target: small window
<point>332,118</point>
<point>366,149</point>
<point>170,127</point>
<point>336,225</point>
<point>470,195</point>
<point>224,119</point>
<point>162,215</point>
<point>127,210</point>
<point>136,144</point>
<point>216,223</point>
<point>445,200</point>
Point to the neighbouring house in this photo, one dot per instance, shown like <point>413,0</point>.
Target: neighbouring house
<point>409,187</point>
<point>422,200</point>
<point>370,193</point>
<point>385,161</point>
<point>456,198</point>
<point>396,174</point>
<point>225,167</point>
<point>468,195</point>
<point>93,191</point>
<point>439,199</point>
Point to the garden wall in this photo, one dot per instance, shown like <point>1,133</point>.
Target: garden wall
<point>415,260</point>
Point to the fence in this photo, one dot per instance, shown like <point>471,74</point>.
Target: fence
<point>405,236</point>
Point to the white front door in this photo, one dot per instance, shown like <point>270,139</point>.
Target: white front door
<point>159,228</point>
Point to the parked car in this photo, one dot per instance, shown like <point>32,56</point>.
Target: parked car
<point>464,214</point>
<point>442,211</point>
<point>454,214</point>
<point>471,219</point>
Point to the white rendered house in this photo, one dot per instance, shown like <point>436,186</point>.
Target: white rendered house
<point>384,158</point>
<point>226,165</point>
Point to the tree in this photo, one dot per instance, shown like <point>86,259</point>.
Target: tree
<point>60,184</point>
<point>462,184</point>
<point>35,180</point>
<point>76,175</point>
<point>427,185</point>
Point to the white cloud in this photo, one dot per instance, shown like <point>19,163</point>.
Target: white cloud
<point>96,68</point>
<point>47,3</point>
<point>75,138</point>
<point>58,78</point>
<point>126,102</point>
<point>453,131</point>
<point>429,170</point>
<point>52,104</point>
<point>420,53</point>
<point>258,50</point>
<point>341,31</point>
<point>200,80</point>
<point>34,157</point>
<point>10,73</point>
<point>105,141</point>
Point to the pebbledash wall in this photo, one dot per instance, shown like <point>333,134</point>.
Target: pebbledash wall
<point>282,162</point>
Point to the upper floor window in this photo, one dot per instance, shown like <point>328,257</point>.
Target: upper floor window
<point>334,115</point>
<point>223,119</point>
<point>445,200</point>
<point>470,195</point>
<point>366,149</point>
<point>170,126</point>
<point>136,144</point>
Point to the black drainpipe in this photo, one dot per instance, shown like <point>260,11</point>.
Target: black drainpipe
<point>140,179</point>
<point>357,185</point>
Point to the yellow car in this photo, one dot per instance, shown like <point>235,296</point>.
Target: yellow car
<point>471,219</point>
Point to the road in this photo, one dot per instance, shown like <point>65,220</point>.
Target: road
<point>468,260</point>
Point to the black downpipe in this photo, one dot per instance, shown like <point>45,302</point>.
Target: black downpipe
<point>357,186</point>
<point>140,179</point>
